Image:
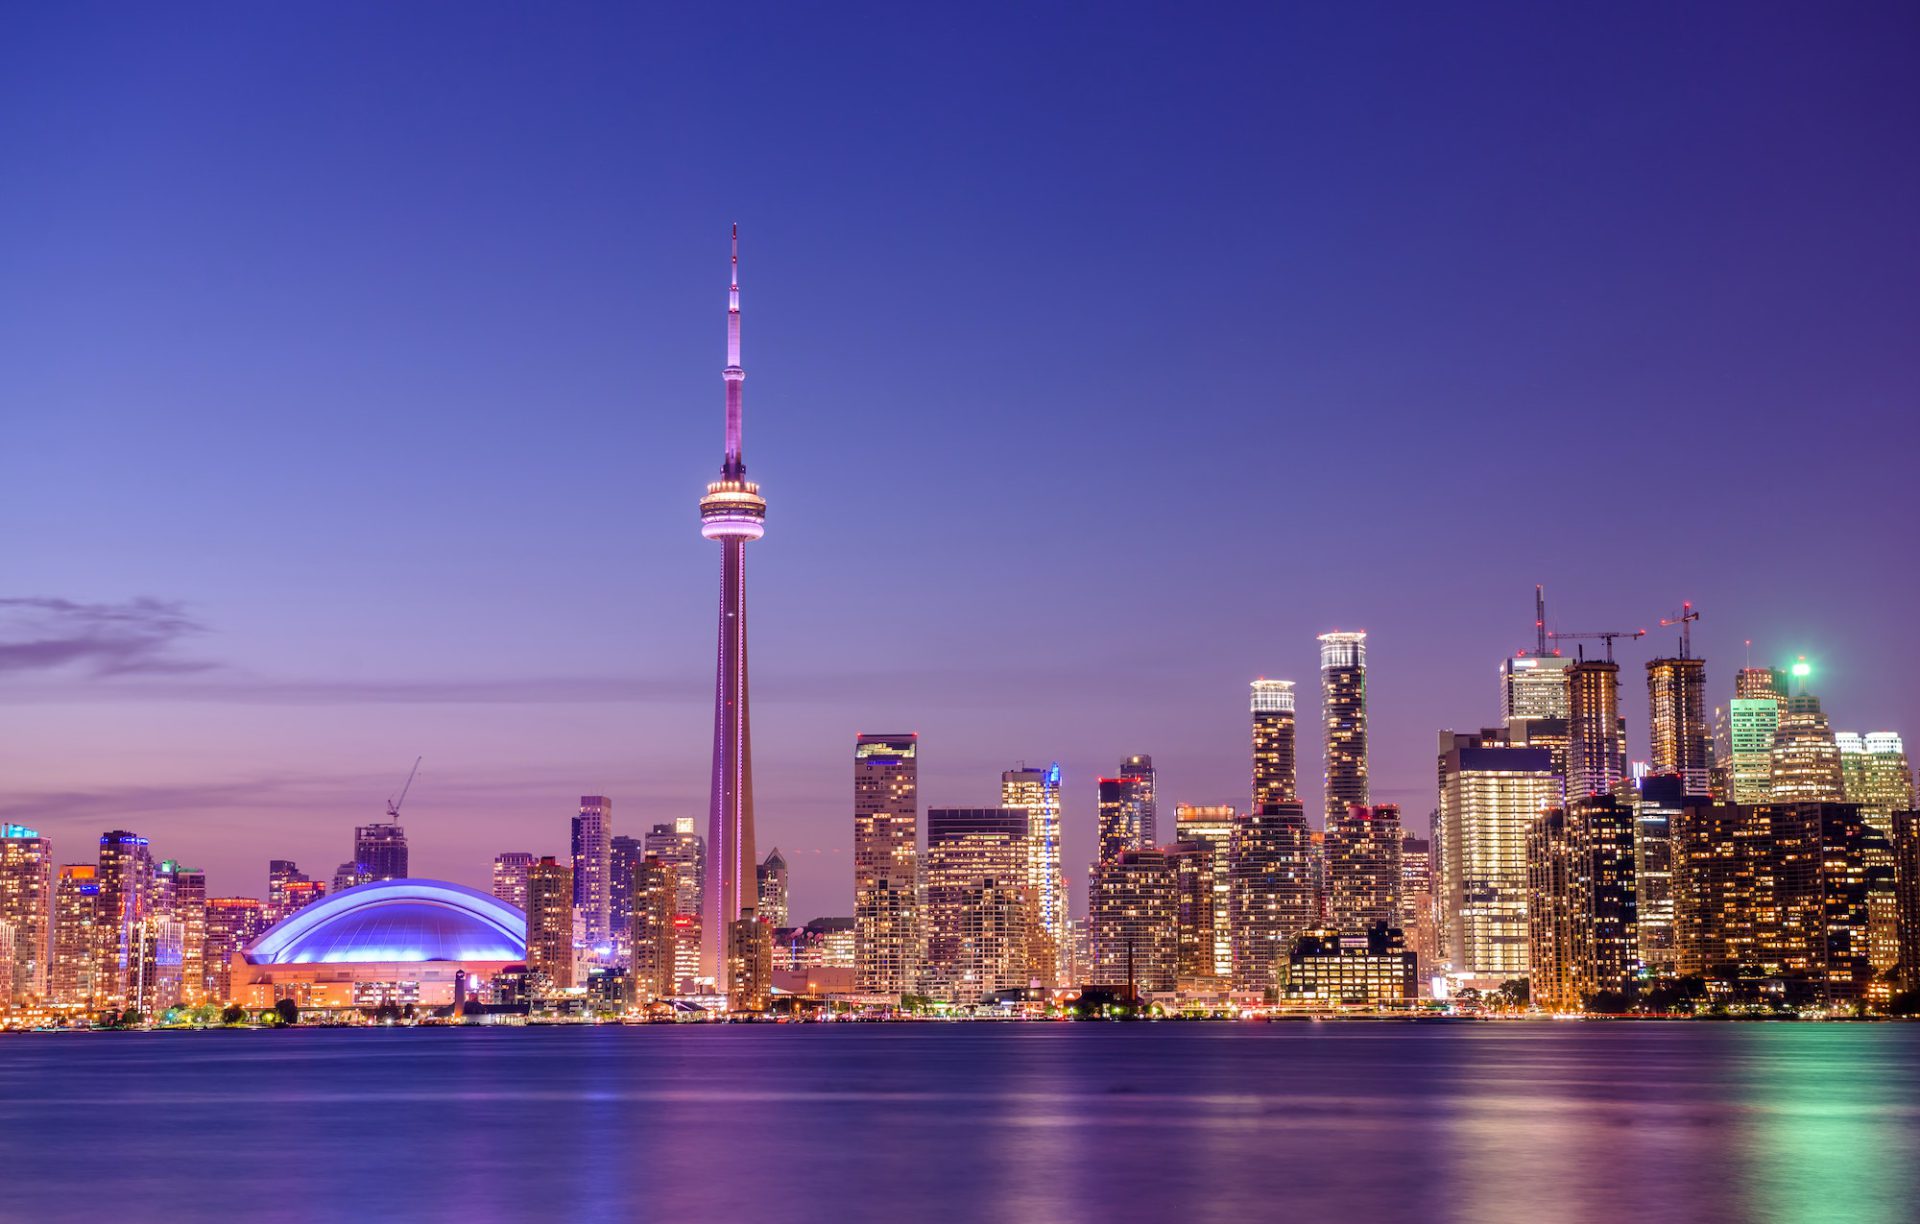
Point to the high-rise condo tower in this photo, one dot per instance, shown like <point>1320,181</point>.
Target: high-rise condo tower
<point>732,512</point>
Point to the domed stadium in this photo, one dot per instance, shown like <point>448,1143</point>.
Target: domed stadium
<point>392,941</point>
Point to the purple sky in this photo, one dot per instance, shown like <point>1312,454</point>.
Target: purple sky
<point>1096,363</point>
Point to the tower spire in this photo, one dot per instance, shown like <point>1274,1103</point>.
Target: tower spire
<point>735,465</point>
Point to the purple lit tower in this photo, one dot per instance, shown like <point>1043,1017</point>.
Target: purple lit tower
<point>732,512</point>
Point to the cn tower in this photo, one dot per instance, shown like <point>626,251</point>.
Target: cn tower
<point>732,512</point>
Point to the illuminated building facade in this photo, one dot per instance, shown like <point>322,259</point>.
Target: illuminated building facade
<point>1038,791</point>
<point>1416,900</point>
<point>624,854</point>
<point>886,862</point>
<point>1583,915</point>
<point>1774,897</point>
<point>1212,828</point>
<point>772,877</point>
<point>1363,869</point>
<point>26,907</point>
<point>1119,817</point>
<point>1370,969</point>
<point>1490,794</point>
<point>1906,883</point>
<point>1874,774</point>
<point>978,922</point>
<point>392,939</point>
<point>549,923</point>
<point>187,905</point>
<point>1272,893</point>
<point>592,849</point>
<point>280,873</point>
<point>1194,930</point>
<point>76,935</point>
<point>679,844</point>
<point>123,907</point>
<point>232,924</point>
<point>1596,750</point>
<point>1139,770</point>
<point>1806,757</point>
<point>1762,684</point>
<point>651,934</point>
<point>1751,725</point>
<point>1275,776</point>
<point>1534,686</point>
<point>1657,804</point>
<point>1677,700</point>
<point>733,511</point>
<point>749,963</point>
<point>380,851</point>
<point>1133,914</point>
<point>1343,711</point>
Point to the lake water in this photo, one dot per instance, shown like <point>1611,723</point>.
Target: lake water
<point>1179,1122</point>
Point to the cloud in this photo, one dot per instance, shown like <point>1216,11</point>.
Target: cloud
<point>39,633</point>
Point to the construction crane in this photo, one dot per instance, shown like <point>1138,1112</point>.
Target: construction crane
<point>1685,621</point>
<point>393,804</point>
<point>1606,636</point>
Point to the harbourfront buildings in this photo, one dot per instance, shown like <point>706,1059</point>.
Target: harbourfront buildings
<point>1751,724</point>
<point>886,863</point>
<point>1138,769</point>
<point>1874,773</point>
<point>549,923</point>
<point>978,901</point>
<point>1363,869</point>
<point>1332,969</point>
<point>1596,753</point>
<point>1038,792</point>
<point>380,851</point>
<point>1208,831</point>
<point>26,907</point>
<point>1805,762</point>
<point>652,955</point>
<point>592,852</point>
<point>1582,919</point>
<point>1271,891</point>
<point>1133,913</point>
<point>1275,775</point>
<point>1678,742</point>
<point>1119,815</point>
<point>772,877</point>
<point>1343,713</point>
<point>1490,795</point>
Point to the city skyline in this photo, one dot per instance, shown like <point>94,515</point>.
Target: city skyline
<point>412,553</point>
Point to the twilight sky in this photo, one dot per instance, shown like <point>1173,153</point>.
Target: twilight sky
<point>360,372</point>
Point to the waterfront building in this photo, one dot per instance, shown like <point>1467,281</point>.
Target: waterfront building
<point>1038,791</point>
<point>380,852</point>
<point>1657,803</point>
<point>1133,914</point>
<point>77,931</point>
<point>1874,774</point>
<point>886,863</point>
<point>232,924</point>
<point>652,937</point>
<point>749,964</point>
<point>1490,794</point>
<point>187,905</point>
<point>26,906</point>
<point>123,906</point>
<point>1371,968</point>
<point>678,843</point>
<point>1195,954</point>
<point>824,943</point>
<point>733,511</point>
<point>772,876</point>
<point>1773,898</point>
<point>549,923</point>
<point>1596,751</point>
<point>1806,757</point>
<point>1275,776</point>
<point>348,875</point>
<point>1906,883</point>
<point>1417,922</point>
<point>1272,894</point>
<point>978,926</point>
<point>1213,827</point>
<point>624,855</point>
<point>280,873</point>
<point>7,952</point>
<point>1751,725</point>
<point>1139,769</point>
<point>1582,915</point>
<point>592,850</point>
<point>1343,710</point>
<point>1363,869</point>
<point>160,984</point>
<point>1677,742</point>
<point>392,941</point>
<point>299,894</point>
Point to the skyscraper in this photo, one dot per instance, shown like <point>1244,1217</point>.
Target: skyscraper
<point>1806,757</point>
<point>1596,754</point>
<point>732,512</point>
<point>280,873</point>
<point>123,907</point>
<point>1343,709</point>
<point>680,845</point>
<point>187,905</point>
<point>1363,869</point>
<point>1038,791</point>
<point>1272,891</point>
<point>510,877</point>
<point>1582,913</point>
<point>1657,806</point>
<point>1275,779</point>
<point>593,869</point>
<point>1139,768</point>
<point>886,865</point>
<point>651,940</point>
<point>1677,743</point>
<point>380,851</point>
<point>26,906</point>
<point>76,935</point>
<point>1211,829</point>
<point>1751,725</point>
<point>232,923</point>
<point>977,921</point>
<point>1875,774</point>
<point>1133,913</point>
<point>1119,817</point>
<point>1490,794</point>
<point>1533,683</point>
<point>1906,869</point>
<point>550,923</point>
<point>772,875</point>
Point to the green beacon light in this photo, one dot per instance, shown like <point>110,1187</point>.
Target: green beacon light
<point>1803,669</point>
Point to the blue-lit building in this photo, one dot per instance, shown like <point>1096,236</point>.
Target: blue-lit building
<point>390,940</point>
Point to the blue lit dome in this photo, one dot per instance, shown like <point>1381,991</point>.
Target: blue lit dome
<point>396,920</point>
